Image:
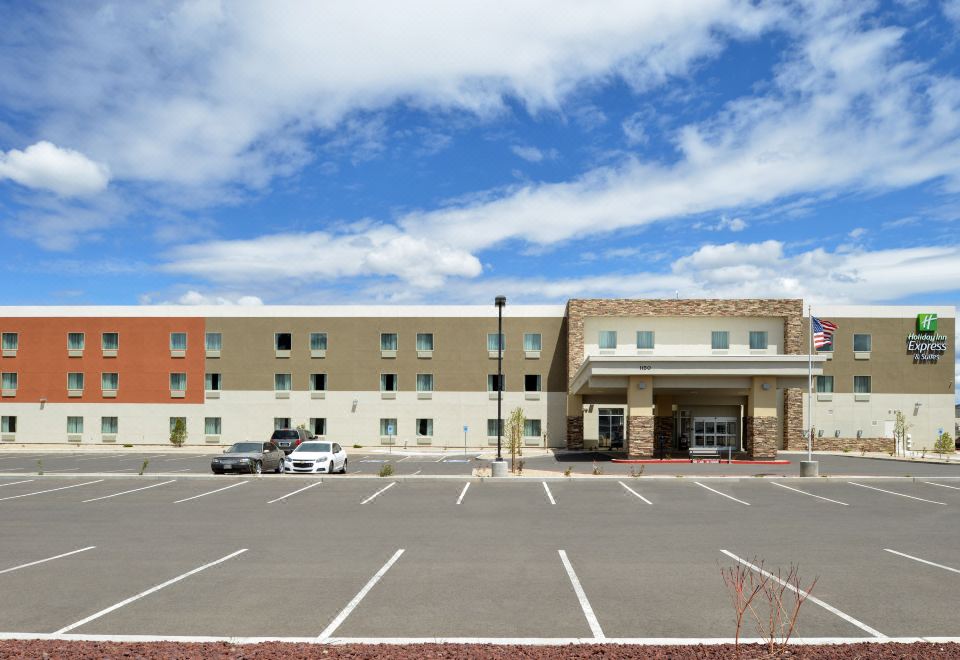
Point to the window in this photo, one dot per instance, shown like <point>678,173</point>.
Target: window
<point>645,339</point>
<point>8,424</point>
<point>492,342</point>
<point>8,381</point>
<point>388,382</point>
<point>211,382</point>
<point>281,423</point>
<point>862,343</point>
<point>608,339</point>
<point>282,341</point>
<point>425,428</point>
<point>424,382</point>
<point>178,382</point>
<point>75,381</point>
<point>388,341</point>
<point>492,381</point>
<point>211,426</point>
<point>178,341</point>
<point>110,381</point>
<point>109,425</point>
<point>828,348</point>
<point>174,420</point>
<point>824,384</point>
<point>318,382</point>
<point>282,382</point>
<point>758,340</point>
<point>110,341</point>
<point>75,341</point>
<point>861,385</point>
<point>318,425</point>
<point>492,427</point>
<point>318,341</point>
<point>531,383</point>
<point>531,428</point>
<point>213,341</point>
<point>9,341</point>
<point>532,341</point>
<point>424,341</point>
<point>719,340</point>
<point>388,426</point>
<point>74,424</point>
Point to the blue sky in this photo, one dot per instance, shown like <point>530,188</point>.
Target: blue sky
<point>206,152</point>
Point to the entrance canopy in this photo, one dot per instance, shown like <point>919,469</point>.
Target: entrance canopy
<point>599,374</point>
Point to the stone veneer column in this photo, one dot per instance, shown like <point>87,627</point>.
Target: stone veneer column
<point>640,436</point>
<point>574,422</point>
<point>793,419</point>
<point>760,423</point>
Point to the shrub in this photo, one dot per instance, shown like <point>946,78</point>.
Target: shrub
<point>143,468</point>
<point>568,471</point>
<point>357,446</point>
<point>386,470</point>
<point>637,471</point>
<point>179,433</point>
<point>597,469</point>
<point>944,444</point>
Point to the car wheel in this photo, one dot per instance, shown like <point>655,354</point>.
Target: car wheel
<point>343,470</point>
<point>279,469</point>
<point>257,467</point>
<point>330,467</point>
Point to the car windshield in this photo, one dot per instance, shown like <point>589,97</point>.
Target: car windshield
<point>245,447</point>
<point>312,447</point>
<point>284,435</point>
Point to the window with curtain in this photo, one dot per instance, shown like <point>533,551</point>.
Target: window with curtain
<point>758,339</point>
<point>318,425</point>
<point>425,427</point>
<point>492,342</point>
<point>719,340</point>
<point>318,341</point>
<point>318,382</point>
<point>109,425</point>
<point>214,341</point>
<point>644,338</point>
<point>10,341</point>
<point>825,384</point>
<point>388,382</point>
<point>281,423</point>
<point>8,381</point>
<point>531,383</point>
<point>532,341</point>
<point>174,420</point>
<point>492,381</point>
<point>862,343</point>
<point>211,425</point>
<point>388,426</point>
<point>388,341</point>
<point>492,427</point>
<point>75,381</point>
<point>110,341</point>
<point>74,424</point>
<point>178,341</point>
<point>212,382</point>
<point>861,385</point>
<point>178,382</point>
<point>75,341</point>
<point>608,339</point>
<point>424,341</point>
<point>424,382</point>
<point>282,382</point>
<point>109,381</point>
<point>8,424</point>
<point>531,428</point>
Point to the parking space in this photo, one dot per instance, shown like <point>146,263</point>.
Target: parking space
<point>557,559</point>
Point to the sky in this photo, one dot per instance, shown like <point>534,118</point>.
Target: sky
<point>210,152</point>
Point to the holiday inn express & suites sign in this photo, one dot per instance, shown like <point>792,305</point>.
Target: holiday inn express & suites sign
<point>925,344</point>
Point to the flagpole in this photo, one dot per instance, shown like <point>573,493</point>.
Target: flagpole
<point>810,387</point>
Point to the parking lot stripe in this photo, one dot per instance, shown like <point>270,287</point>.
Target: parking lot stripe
<point>933,483</point>
<point>50,490</point>
<point>582,597</point>
<point>463,492</point>
<point>14,483</point>
<point>549,494</point>
<point>61,470</point>
<point>134,490</point>
<point>120,470</point>
<point>340,618</point>
<point>846,617</point>
<point>729,497</point>
<point>181,458</point>
<point>803,492</point>
<point>42,561</point>
<point>146,593</point>
<point>211,492</point>
<point>635,493</point>
<point>299,490</point>
<point>920,499</point>
<point>183,470</point>
<point>387,487</point>
<point>922,561</point>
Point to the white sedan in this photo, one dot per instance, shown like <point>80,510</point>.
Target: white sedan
<point>316,457</point>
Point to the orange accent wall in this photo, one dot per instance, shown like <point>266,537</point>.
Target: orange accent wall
<point>143,360</point>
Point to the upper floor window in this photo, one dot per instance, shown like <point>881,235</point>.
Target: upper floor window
<point>492,383</point>
<point>825,384</point>
<point>532,341</point>
<point>645,339</point>
<point>493,344</point>
<point>388,382</point>
<point>608,339</point>
<point>8,381</point>
<point>282,341</point>
<point>178,341</point>
<point>862,343</point>
<point>318,382</point>
<point>110,381</point>
<point>75,381</point>
<point>758,339</point>
<point>862,385</point>
<point>214,341</point>
<point>388,341</point>
<point>318,341</point>
<point>178,382</point>
<point>424,382</point>
<point>110,341</point>
<point>719,340</point>
<point>282,382</point>
<point>75,341</point>
<point>424,341</point>
<point>531,383</point>
<point>212,382</point>
<point>10,341</point>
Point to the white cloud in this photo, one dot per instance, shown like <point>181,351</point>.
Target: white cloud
<point>951,9</point>
<point>857,232</point>
<point>533,154</point>
<point>48,167</point>
<point>192,297</point>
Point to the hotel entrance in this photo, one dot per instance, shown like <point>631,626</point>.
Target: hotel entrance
<point>715,432</point>
<point>611,421</point>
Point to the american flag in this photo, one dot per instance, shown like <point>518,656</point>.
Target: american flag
<point>823,332</point>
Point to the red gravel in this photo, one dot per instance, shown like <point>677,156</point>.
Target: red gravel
<point>111,650</point>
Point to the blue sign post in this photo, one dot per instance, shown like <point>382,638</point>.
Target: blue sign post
<point>465,429</point>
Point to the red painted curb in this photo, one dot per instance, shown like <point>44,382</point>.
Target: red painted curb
<point>687,460</point>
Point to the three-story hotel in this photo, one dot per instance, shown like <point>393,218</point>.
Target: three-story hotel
<point>638,376</point>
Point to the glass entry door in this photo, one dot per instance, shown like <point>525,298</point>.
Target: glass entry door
<point>714,431</point>
<point>611,427</point>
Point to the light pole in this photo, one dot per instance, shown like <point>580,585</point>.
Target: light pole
<point>499,468</point>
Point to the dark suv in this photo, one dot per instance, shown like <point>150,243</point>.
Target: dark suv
<point>290,439</point>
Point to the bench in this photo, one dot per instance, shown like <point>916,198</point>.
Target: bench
<point>710,452</point>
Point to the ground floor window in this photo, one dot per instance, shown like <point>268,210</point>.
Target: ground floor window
<point>425,427</point>
<point>388,426</point>
<point>175,420</point>
<point>8,424</point>
<point>211,425</point>
<point>492,429</point>
<point>318,425</point>
<point>281,423</point>
<point>109,425</point>
<point>74,424</point>
<point>531,428</point>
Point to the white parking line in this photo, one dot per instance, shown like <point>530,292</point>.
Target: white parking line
<point>549,494</point>
<point>134,490</point>
<point>441,459</point>
<point>146,593</point>
<point>120,470</point>
<point>853,483</point>
<point>181,458</point>
<point>211,492</point>
<point>802,492</point>
<point>61,470</point>
<point>582,597</point>
<point>183,470</point>
<point>330,629</point>
<point>635,493</point>
<point>416,473</point>
<point>300,490</point>
<point>14,483</point>
<point>729,497</point>
<point>846,617</point>
<point>42,561</point>
<point>50,490</point>
<point>97,458</point>
<point>922,561</point>
<point>463,492</point>
<point>387,487</point>
<point>933,483</point>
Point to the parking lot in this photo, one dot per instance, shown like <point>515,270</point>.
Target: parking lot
<point>340,559</point>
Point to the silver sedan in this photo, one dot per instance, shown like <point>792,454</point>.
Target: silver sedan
<point>252,457</point>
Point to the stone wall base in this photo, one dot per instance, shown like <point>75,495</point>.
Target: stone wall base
<point>640,436</point>
<point>575,433</point>
<point>852,444</point>
<point>793,437</point>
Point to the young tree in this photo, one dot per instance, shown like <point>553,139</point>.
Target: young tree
<point>900,428</point>
<point>515,435</point>
<point>179,433</point>
<point>944,444</point>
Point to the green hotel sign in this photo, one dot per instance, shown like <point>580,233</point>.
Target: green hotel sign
<point>926,322</point>
<point>925,344</point>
